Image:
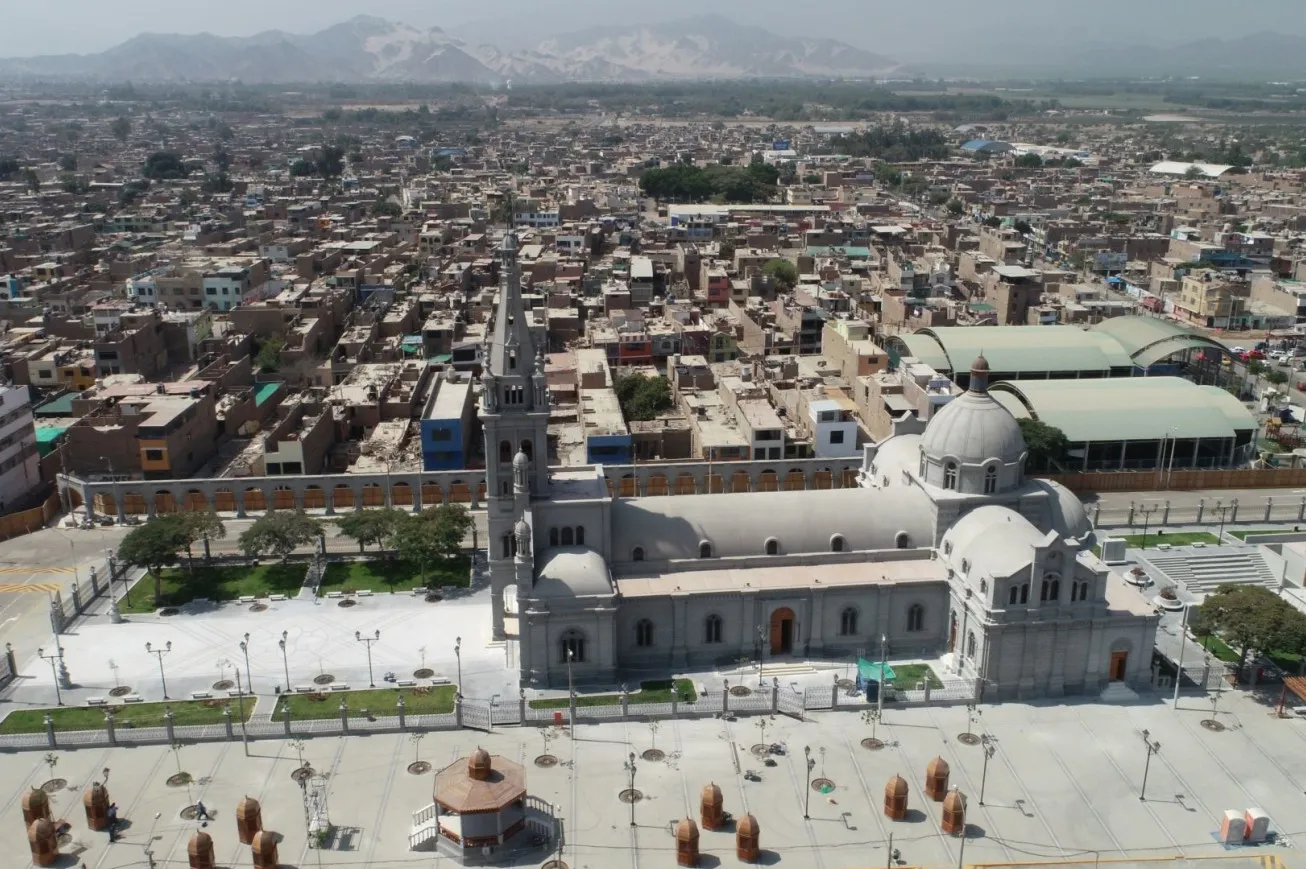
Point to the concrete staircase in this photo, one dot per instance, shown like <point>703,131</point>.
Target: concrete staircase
<point>1202,571</point>
<point>1118,692</point>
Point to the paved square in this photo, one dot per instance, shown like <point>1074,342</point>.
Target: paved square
<point>1063,785</point>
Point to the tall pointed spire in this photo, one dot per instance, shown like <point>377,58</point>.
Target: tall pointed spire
<point>512,353</point>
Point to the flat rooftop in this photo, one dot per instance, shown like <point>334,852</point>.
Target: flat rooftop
<point>796,576</point>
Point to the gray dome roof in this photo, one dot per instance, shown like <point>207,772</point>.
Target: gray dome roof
<point>1065,512</point>
<point>520,460</point>
<point>973,429</point>
<point>996,541</point>
<point>572,571</point>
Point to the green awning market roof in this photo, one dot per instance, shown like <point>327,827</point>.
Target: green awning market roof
<point>878,672</point>
<point>46,435</point>
<point>61,406</point>
<point>442,359</point>
<point>265,392</point>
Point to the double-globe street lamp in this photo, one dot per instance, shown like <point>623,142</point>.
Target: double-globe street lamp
<point>159,653</point>
<point>368,641</point>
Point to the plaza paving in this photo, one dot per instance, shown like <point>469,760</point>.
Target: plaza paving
<point>1063,785</point>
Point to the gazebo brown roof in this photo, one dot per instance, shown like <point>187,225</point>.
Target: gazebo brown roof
<point>747,826</point>
<point>460,788</point>
<point>35,800</point>
<point>896,786</point>
<point>955,801</point>
<point>200,843</point>
<point>41,828</point>
<point>247,808</point>
<point>711,794</point>
<point>938,767</point>
<point>687,831</point>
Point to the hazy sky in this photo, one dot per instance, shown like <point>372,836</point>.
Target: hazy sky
<point>948,30</point>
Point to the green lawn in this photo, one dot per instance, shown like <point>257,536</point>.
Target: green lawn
<point>1174,538</point>
<point>186,712</point>
<point>215,583</point>
<point>907,675</point>
<point>654,691</point>
<point>1220,649</point>
<point>385,575</point>
<point>381,702</point>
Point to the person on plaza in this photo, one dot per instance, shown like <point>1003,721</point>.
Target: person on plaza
<point>201,813</point>
<point>113,822</point>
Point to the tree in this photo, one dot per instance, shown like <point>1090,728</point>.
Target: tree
<point>1046,444</point>
<point>1253,617</point>
<point>68,162</point>
<point>370,527</point>
<point>388,208</point>
<point>164,166</point>
<point>155,545</point>
<point>121,128</point>
<point>268,358</point>
<point>1194,172</point>
<point>434,534</point>
<point>726,250</point>
<point>783,272</point>
<point>331,162</point>
<point>1277,376</point>
<point>1029,161</point>
<point>202,525</point>
<point>32,181</point>
<point>221,159</point>
<point>501,213</point>
<point>9,167</point>
<point>302,168</point>
<point>74,184</point>
<point>955,207</point>
<point>1023,227</point>
<point>642,397</point>
<point>279,533</point>
<point>992,221</point>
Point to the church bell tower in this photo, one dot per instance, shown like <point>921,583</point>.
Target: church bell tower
<point>515,417</point>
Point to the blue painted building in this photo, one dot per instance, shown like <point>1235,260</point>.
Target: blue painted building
<point>447,423</point>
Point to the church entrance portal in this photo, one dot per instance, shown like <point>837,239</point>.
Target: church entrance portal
<point>1118,662</point>
<point>782,631</point>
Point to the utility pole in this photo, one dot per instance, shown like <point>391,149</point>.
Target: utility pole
<point>1152,748</point>
<point>1179,665</point>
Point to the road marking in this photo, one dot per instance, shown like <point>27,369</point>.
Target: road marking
<point>19,568</point>
<point>47,587</point>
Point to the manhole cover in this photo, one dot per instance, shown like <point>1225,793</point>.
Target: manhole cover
<point>631,795</point>
<point>760,750</point>
<point>546,761</point>
<point>654,755</point>
<point>740,691</point>
<point>348,602</point>
<point>169,611</point>
<point>845,684</point>
<point>872,743</point>
<point>180,779</point>
<point>120,691</point>
<point>302,774</point>
<point>419,767</point>
<point>257,607</point>
<point>54,784</point>
<point>324,679</point>
<point>1212,725</point>
<point>424,673</point>
<point>968,738</point>
<point>436,598</point>
<point>823,785</point>
<point>554,864</point>
<point>223,685</point>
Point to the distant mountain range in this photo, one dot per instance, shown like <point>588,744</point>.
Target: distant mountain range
<point>369,49</point>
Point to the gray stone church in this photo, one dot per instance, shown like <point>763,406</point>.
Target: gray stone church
<point>944,547</point>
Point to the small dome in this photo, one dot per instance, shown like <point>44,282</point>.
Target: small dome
<point>95,794</point>
<point>520,460</point>
<point>478,765</point>
<point>955,801</point>
<point>200,843</point>
<point>264,842</point>
<point>712,794</point>
<point>747,826</point>
<point>973,429</point>
<point>248,808</point>
<point>35,800</point>
<point>521,529</point>
<point>937,767</point>
<point>42,829</point>
<point>896,787</point>
<point>687,831</point>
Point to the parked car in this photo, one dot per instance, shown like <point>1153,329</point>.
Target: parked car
<point>1237,351</point>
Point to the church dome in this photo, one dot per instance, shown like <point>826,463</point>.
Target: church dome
<point>521,460</point>
<point>974,428</point>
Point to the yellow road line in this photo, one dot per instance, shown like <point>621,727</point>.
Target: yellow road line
<point>47,587</point>
<point>18,568</point>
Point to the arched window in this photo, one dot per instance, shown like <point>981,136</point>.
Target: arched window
<point>637,554</point>
<point>580,535</point>
<point>505,488</point>
<point>1014,597</point>
<point>505,453</point>
<point>950,475</point>
<point>772,546</point>
<point>847,622</point>
<point>712,629</point>
<point>991,480</point>
<point>1024,592</point>
<point>528,450</point>
<point>572,645</point>
<point>509,546</point>
<point>1043,592</point>
<point>970,644</point>
<point>836,543</point>
<point>916,617</point>
<point>553,536</point>
<point>922,463</point>
<point>902,540</point>
<point>643,633</point>
<point>705,550</point>
<point>984,586</point>
<point>1054,590</point>
<point>568,537</point>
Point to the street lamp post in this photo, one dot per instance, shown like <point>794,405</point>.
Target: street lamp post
<point>368,641</point>
<point>244,647</point>
<point>630,768</point>
<point>244,734</point>
<point>54,673</point>
<point>159,653</point>
<point>761,650</point>
<point>284,662</point>
<point>1179,664</point>
<point>458,653</point>
<point>1152,748</point>
<point>989,750</point>
<point>1147,510</point>
<point>807,800</point>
